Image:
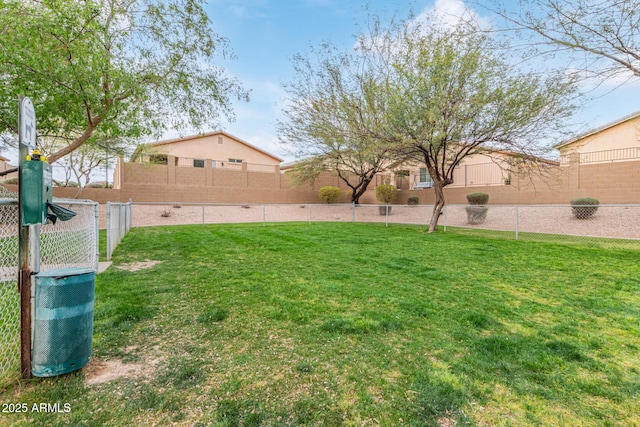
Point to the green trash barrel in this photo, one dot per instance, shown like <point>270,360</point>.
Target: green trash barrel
<point>63,323</point>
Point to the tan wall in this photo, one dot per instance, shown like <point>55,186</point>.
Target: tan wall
<point>617,182</point>
<point>100,195</point>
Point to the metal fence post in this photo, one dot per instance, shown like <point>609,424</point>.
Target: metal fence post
<point>203,214</point>
<point>516,222</point>
<point>109,231</point>
<point>96,213</point>
<point>130,214</point>
<point>444,208</point>
<point>264,214</point>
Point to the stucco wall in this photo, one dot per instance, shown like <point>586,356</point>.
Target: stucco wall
<point>624,135</point>
<point>209,147</point>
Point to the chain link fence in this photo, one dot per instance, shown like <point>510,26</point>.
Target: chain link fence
<point>555,223</point>
<point>118,224</point>
<point>72,243</point>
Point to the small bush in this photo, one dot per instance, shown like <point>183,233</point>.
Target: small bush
<point>165,214</point>
<point>584,207</point>
<point>100,184</point>
<point>176,206</point>
<point>10,181</point>
<point>386,193</point>
<point>476,214</point>
<point>329,193</point>
<point>478,198</point>
<point>413,200</point>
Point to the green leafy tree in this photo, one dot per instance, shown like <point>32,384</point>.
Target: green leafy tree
<point>335,118</point>
<point>118,68</point>
<point>453,93</point>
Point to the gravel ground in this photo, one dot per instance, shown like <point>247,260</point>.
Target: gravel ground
<point>609,221</point>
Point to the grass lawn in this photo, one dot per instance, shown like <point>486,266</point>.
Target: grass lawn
<point>355,324</point>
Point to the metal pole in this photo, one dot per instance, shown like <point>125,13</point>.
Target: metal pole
<point>386,218</point>
<point>109,231</point>
<point>516,222</point>
<point>96,215</point>
<point>130,214</point>
<point>203,214</point>
<point>264,215</point>
<point>24,274</point>
<point>444,208</point>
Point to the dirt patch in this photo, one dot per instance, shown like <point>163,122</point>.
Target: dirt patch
<point>103,371</point>
<point>141,265</point>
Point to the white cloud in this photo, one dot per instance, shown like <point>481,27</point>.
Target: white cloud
<point>451,13</point>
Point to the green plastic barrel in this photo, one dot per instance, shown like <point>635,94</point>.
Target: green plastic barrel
<point>63,321</point>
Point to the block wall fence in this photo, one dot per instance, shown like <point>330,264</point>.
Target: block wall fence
<point>611,183</point>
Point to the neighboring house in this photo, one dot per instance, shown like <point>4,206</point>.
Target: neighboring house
<point>491,168</point>
<point>474,170</point>
<point>4,166</point>
<point>222,149</point>
<point>615,141</point>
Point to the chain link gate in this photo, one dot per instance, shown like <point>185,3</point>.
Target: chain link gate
<point>71,243</point>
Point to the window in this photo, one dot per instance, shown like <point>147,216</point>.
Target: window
<point>425,180</point>
<point>219,140</point>
<point>198,163</point>
<point>424,175</point>
<point>235,161</point>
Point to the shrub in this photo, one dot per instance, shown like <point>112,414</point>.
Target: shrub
<point>584,207</point>
<point>476,214</point>
<point>101,184</point>
<point>10,181</point>
<point>413,200</point>
<point>165,214</point>
<point>329,193</point>
<point>386,193</point>
<point>478,198</point>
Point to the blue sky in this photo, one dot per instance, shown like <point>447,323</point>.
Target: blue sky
<point>265,34</point>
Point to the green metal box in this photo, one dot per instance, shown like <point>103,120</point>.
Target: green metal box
<point>63,321</point>
<point>35,191</point>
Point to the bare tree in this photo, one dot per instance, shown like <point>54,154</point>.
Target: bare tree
<point>602,37</point>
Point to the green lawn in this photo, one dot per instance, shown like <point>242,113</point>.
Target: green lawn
<point>356,324</point>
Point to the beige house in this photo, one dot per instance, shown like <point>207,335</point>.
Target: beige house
<point>475,170</point>
<point>222,150</point>
<point>615,141</point>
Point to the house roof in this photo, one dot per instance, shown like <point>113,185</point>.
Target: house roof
<point>204,135</point>
<point>598,129</point>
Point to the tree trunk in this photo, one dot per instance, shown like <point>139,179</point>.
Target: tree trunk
<point>438,187</point>
<point>357,192</point>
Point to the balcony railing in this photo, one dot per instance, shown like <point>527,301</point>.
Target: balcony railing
<point>604,156</point>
